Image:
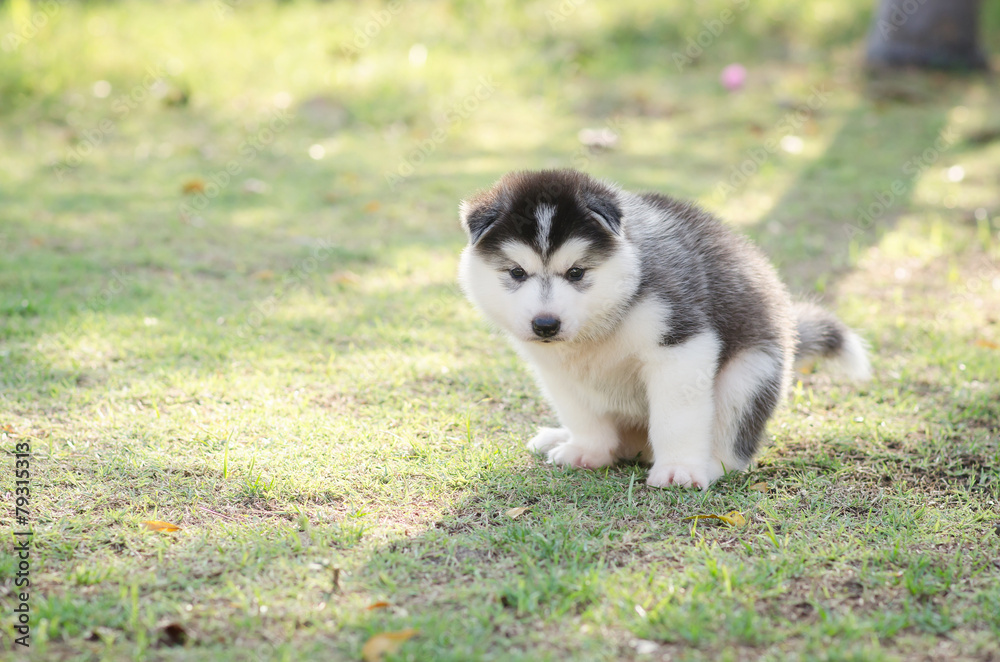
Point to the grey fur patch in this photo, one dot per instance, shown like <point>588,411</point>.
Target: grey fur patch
<point>711,277</point>
<point>754,419</point>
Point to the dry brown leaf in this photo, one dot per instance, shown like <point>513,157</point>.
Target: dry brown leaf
<point>348,277</point>
<point>733,518</point>
<point>193,186</point>
<point>758,487</point>
<point>381,604</point>
<point>385,642</point>
<point>988,344</point>
<point>372,206</point>
<point>157,525</point>
<point>514,513</point>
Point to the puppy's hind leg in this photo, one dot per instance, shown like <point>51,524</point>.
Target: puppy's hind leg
<point>748,390</point>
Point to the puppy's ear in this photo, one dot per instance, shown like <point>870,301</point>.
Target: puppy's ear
<point>478,215</point>
<point>604,208</point>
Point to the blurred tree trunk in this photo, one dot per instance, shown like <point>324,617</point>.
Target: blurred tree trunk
<point>940,34</point>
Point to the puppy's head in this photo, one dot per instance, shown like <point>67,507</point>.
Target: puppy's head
<point>547,260</point>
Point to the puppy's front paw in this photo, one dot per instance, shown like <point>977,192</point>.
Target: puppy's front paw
<point>581,457</point>
<point>547,439</point>
<point>680,474</point>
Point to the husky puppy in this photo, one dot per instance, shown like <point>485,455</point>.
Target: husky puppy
<point>653,328</point>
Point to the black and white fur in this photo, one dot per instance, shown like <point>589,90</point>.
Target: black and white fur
<point>651,326</point>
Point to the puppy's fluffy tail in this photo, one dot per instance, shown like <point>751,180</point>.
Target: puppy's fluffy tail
<point>822,336</point>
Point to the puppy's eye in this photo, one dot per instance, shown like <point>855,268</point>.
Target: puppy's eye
<point>519,274</point>
<point>574,274</point>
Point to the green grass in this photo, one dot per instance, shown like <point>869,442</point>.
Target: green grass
<point>293,378</point>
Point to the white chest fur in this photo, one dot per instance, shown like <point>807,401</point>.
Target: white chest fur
<point>606,374</point>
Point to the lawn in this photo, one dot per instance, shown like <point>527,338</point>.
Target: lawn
<point>228,244</point>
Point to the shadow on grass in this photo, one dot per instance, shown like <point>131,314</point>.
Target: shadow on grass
<point>514,580</point>
<point>528,551</point>
<point>844,201</point>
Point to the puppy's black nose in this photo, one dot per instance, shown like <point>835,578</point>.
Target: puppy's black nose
<point>545,327</point>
